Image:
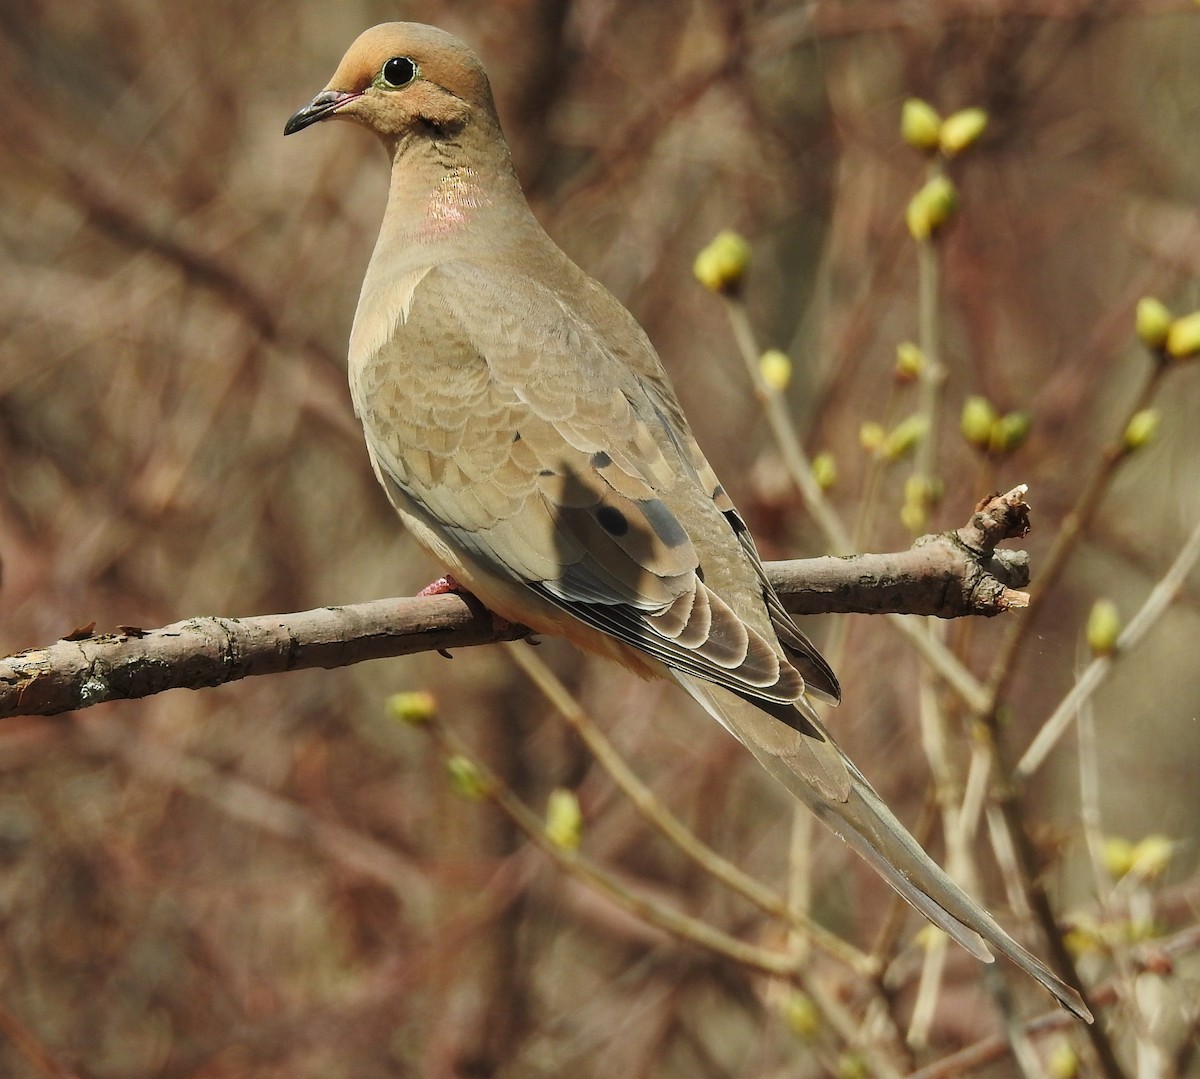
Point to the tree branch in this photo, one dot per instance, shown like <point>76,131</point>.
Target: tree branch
<point>948,576</point>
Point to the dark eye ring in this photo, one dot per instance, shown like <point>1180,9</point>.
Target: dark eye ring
<point>398,71</point>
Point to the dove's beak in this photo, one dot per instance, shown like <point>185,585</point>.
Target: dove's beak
<point>321,107</point>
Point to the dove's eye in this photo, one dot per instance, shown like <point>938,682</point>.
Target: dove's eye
<point>397,72</point>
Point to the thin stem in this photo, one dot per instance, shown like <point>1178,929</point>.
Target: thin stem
<point>796,461</point>
<point>780,421</point>
<point>654,812</point>
<point>948,666</point>
<point>933,375</point>
<point>1160,598</point>
<point>1065,542</point>
<point>693,930</point>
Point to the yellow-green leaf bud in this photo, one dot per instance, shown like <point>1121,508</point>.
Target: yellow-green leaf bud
<point>721,265</point>
<point>871,436</point>
<point>851,1066</point>
<point>1183,338</point>
<point>1103,627</point>
<point>1143,929</point>
<point>961,130</point>
<point>776,369</point>
<point>914,517</point>
<point>904,437</point>
<point>1009,432</point>
<point>1141,429</point>
<point>918,488</point>
<point>978,418</point>
<point>1152,856</point>
<point>931,207</point>
<point>910,362</point>
<point>466,778</point>
<point>414,708</point>
<point>824,469</point>
<point>801,1015</point>
<point>564,821</point>
<point>1152,322</point>
<point>1064,1061</point>
<point>920,125</point>
<point>1117,856</point>
<point>1085,936</point>
<point>928,935</point>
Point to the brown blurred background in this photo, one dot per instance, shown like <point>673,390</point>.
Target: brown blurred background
<point>272,878</point>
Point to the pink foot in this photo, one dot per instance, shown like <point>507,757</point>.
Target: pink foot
<point>445,585</point>
<point>441,587</point>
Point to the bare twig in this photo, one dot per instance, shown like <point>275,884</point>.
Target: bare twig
<point>784,432</point>
<point>693,930</point>
<point>1066,540</point>
<point>1150,956</point>
<point>1093,676</point>
<point>31,1049</point>
<point>653,811</point>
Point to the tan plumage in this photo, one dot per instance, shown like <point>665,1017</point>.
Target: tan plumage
<point>524,428</point>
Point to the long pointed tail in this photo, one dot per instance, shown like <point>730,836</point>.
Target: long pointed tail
<point>828,782</point>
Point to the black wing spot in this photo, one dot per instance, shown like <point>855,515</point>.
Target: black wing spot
<point>516,436</point>
<point>700,574</point>
<point>665,524</point>
<point>545,472</point>
<point>600,459</point>
<point>612,520</point>
<point>735,521</point>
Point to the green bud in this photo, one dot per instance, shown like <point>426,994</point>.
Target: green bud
<point>1141,429</point>
<point>920,125</point>
<point>776,369</point>
<point>1143,929</point>
<point>1009,432</point>
<point>1103,627</point>
<point>919,488</point>
<point>1117,855</point>
<point>871,436</point>
<point>962,130</point>
<point>978,418</point>
<point>1151,857</point>
<point>721,265</point>
<point>1064,1061</point>
<point>910,362</point>
<point>851,1066</point>
<point>921,493</point>
<point>416,708</point>
<point>801,1015</point>
<point>931,208</point>
<point>1085,936</point>
<point>904,437</point>
<point>564,821</point>
<point>1183,338</point>
<point>824,469</point>
<point>1152,322</point>
<point>914,516</point>
<point>466,778</point>
<point>928,935</point>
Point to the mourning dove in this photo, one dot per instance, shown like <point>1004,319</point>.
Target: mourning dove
<point>525,430</point>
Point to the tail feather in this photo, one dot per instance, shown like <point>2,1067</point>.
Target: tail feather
<point>827,781</point>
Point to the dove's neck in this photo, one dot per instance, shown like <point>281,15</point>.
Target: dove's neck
<point>448,196</point>
<point>449,200</point>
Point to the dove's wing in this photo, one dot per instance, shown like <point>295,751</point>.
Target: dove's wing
<point>529,445</point>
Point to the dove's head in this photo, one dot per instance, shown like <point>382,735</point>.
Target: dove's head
<point>403,81</point>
